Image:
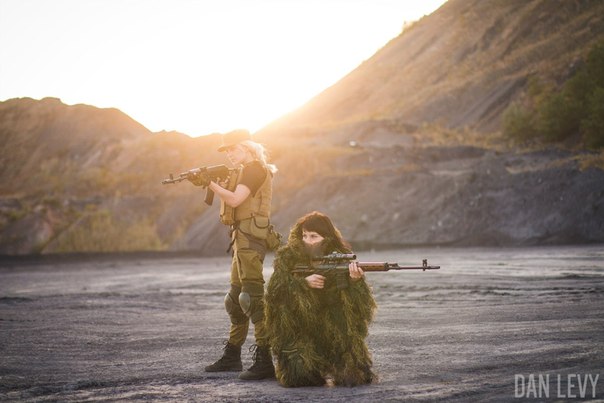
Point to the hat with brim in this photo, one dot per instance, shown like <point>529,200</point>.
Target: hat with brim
<point>233,138</point>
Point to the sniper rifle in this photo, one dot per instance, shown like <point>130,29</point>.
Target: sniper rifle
<point>336,264</point>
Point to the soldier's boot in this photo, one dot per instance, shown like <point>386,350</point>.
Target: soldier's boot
<point>230,360</point>
<point>262,368</point>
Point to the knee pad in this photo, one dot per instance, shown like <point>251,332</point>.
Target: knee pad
<point>231,304</point>
<point>252,305</point>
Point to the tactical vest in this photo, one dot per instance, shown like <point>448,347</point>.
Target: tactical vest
<point>258,204</point>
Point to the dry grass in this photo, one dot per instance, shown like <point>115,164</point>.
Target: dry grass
<point>99,231</point>
<point>437,135</point>
<point>593,160</point>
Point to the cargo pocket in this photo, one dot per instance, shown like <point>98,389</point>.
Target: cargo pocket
<point>257,226</point>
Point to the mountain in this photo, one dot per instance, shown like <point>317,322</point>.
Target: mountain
<point>405,150</point>
<point>80,178</point>
<point>460,66</point>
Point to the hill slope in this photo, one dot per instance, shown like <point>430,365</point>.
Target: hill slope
<point>460,66</point>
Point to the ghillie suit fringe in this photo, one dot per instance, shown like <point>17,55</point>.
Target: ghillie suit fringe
<point>317,333</point>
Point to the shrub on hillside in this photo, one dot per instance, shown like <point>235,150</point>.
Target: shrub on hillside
<point>577,108</point>
<point>518,122</point>
<point>559,117</point>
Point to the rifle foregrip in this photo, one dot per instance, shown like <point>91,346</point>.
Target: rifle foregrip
<point>373,266</point>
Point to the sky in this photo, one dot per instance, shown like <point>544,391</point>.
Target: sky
<point>194,66</point>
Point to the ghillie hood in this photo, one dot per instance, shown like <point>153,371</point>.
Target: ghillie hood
<point>297,249</point>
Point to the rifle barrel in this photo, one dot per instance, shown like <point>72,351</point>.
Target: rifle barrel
<point>383,266</point>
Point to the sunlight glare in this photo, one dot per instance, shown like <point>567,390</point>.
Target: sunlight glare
<point>193,66</point>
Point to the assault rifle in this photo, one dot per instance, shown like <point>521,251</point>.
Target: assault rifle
<point>215,173</point>
<point>336,264</point>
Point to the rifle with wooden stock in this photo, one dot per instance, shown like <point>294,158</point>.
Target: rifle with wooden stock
<point>336,264</point>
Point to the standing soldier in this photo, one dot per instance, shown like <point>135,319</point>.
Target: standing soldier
<point>245,207</point>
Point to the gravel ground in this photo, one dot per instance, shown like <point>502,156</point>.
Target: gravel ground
<point>488,326</point>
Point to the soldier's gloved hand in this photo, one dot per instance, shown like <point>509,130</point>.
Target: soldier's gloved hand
<point>199,179</point>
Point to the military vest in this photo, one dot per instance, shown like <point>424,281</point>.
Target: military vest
<point>258,204</point>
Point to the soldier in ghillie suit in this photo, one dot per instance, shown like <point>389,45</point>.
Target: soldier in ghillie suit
<point>317,330</point>
<point>245,208</point>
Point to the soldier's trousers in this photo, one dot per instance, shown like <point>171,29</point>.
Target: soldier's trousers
<point>246,275</point>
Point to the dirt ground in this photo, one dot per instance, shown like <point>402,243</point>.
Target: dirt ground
<point>143,327</point>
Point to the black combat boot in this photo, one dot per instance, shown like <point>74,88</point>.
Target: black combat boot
<point>262,368</point>
<point>230,360</point>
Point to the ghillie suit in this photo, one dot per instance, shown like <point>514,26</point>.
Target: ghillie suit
<point>317,333</point>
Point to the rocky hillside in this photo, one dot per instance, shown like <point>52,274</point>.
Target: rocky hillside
<point>429,194</point>
<point>80,178</point>
<point>404,150</point>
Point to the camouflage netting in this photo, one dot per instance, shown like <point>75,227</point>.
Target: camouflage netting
<point>317,333</point>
